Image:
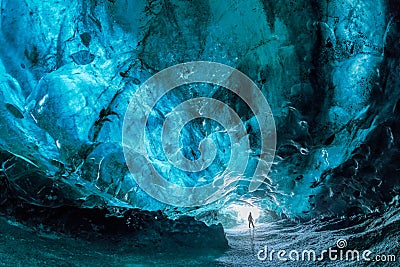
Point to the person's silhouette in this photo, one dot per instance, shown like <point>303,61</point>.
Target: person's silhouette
<point>251,220</point>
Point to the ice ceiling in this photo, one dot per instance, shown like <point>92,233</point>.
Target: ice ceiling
<point>329,70</point>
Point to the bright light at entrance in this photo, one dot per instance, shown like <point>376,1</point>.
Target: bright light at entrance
<point>244,210</point>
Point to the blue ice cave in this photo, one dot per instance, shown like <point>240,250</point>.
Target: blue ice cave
<point>70,70</point>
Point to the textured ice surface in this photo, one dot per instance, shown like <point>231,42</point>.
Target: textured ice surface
<point>329,71</point>
<point>359,233</point>
<point>19,245</point>
<point>68,69</point>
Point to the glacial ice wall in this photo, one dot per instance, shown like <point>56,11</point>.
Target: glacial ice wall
<point>329,70</point>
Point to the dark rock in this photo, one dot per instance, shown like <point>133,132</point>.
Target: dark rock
<point>83,57</point>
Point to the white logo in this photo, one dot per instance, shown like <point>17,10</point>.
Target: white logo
<point>146,97</point>
<point>341,243</point>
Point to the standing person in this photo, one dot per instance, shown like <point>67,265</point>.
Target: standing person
<point>251,220</point>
